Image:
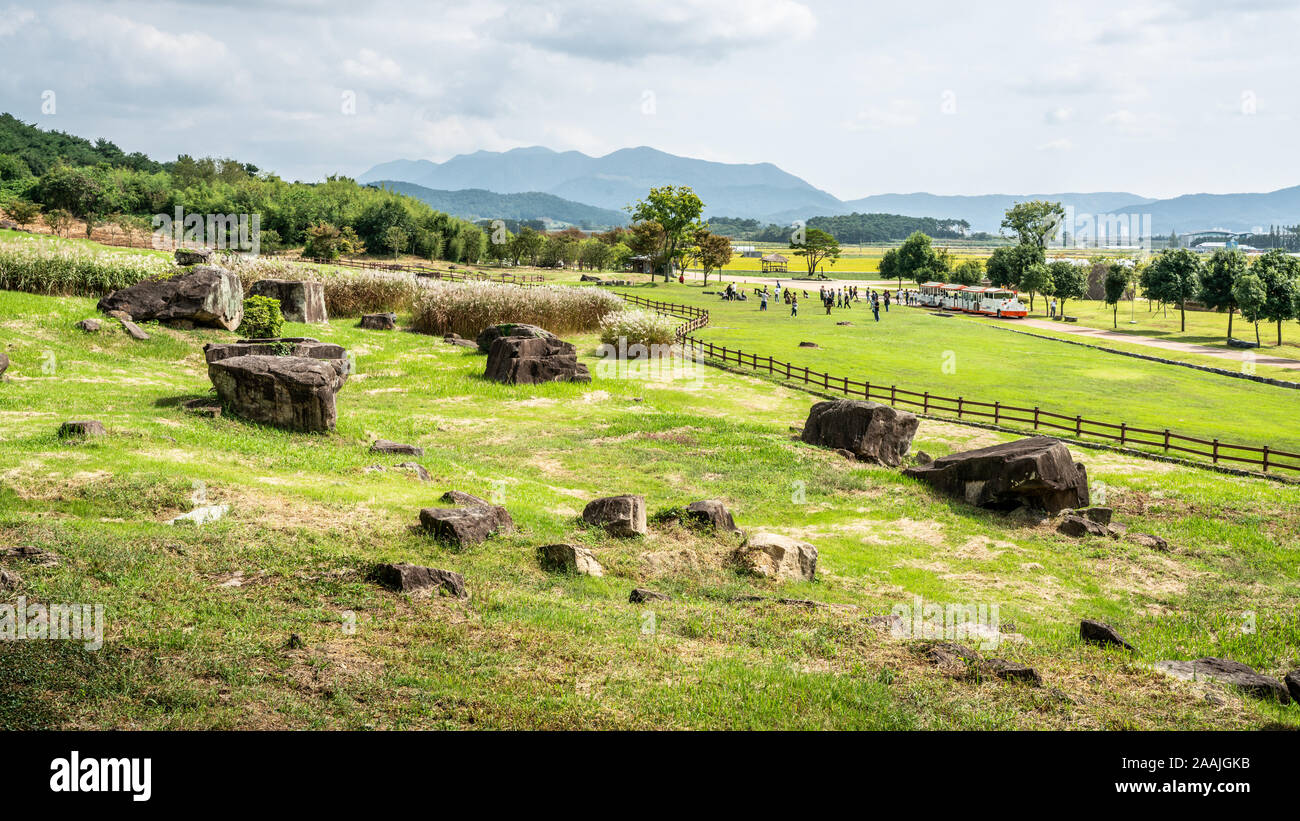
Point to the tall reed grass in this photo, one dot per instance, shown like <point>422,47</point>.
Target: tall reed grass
<point>466,308</point>
<point>43,266</point>
<point>639,327</point>
<point>348,292</point>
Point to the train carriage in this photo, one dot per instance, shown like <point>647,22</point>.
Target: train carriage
<point>1000,302</point>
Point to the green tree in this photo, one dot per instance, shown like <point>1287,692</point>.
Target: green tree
<point>1068,282</point>
<point>1221,272</point>
<point>1006,265</point>
<point>23,212</point>
<point>968,272</point>
<point>1280,274</point>
<point>1116,283</point>
<point>1174,277</point>
<point>817,247</point>
<point>527,245</point>
<point>889,268</point>
<point>396,239</point>
<point>1034,222</point>
<point>1036,279</point>
<point>711,251</point>
<point>916,258</point>
<point>1249,293</point>
<point>677,210</point>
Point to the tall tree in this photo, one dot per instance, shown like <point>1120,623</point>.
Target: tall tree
<point>1117,280</point>
<point>710,251</point>
<point>1280,274</point>
<point>677,210</point>
<point>1249,293</point>
<point>1036,279</point>
<point>1034,222</point>
<point>817,247</point>
<point>1175,277</point>
<point>646,239</point>
<point>1221,273</point>
<point>1006,266</point>
<point>1068,282</point>
<point>889,268</point>
<point>916,258</point>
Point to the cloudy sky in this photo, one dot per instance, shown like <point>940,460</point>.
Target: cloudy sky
<point>1158,98</point>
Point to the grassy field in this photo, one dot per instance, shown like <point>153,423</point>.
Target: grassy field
<point>199,619</point>
<point>959,356</point>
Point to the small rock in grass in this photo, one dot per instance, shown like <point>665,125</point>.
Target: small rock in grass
<point>922,458</point>
<point>35,555</point>
<point>460,497</point>
<point>1011,671</point>
<point>1293,685</point>
<point>950,654</point>
<point>90,325</point>
<point>411,578</point>
<point>619,515</point>
<point>1095,632</point>
<point>712,514</point>
<point>640,595</point>
<point>134,330</point>
<point>4,363</point>
<point>9,580</point>
<point>569,558</point>
<point>417,469</point>
<point>385,446</point>
<point>1100,515</point>
<point>778,557</point>
<point>379,322</point>
<point>1148,540</point>
<point>1225,671</point>
<point>83,428</point>
<point>1076,526</point>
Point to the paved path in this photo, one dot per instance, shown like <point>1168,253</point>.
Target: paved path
<point>1165,344</point>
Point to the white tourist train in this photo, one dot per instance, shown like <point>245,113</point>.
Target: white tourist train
<point>972,299</point>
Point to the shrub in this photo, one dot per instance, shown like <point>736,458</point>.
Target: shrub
<point>639,328</point>
<point>262,318</point>
<point>466,308</point>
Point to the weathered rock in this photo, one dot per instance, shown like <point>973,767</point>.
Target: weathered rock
<point>1293,685</point>
<point>846,322</point>
<point>619,515</point>
<point>462,343</point>
<point>516,360</point>
<point>569,558</point>
<point>1095,632</point>
<point>640,595</point>
<point>207,295</point>
<point>186,257</point>
<point>1100,515</point>
<point>1010,671</point>
<point>870,431</point>
<point>491,333</point>
<point>32,554</point>
<point>1225,671</point>
<point>1148,540</point>
<point>412,578</point>
<point>589,278</point>
<point>134,331</point>
<point>287,346</point>
<point>293,392</point>
<point>1037,472</point>
<point>463,499</point>
<point>712,514</point>
<point>378,322</point>
<point>84,428</point>
<point>778,557</point>
<point>90,325</point>
<point>385,446</point>
<point>463,526</point>
<point>951,655</point>
<point>417,469</point>
<point>300,301</point>
<point>120,315</point>
<point>181,325</point>
<point>1076,527</point>
<point>4,363</point>
<point>807,344</point>
<point>922,458</point>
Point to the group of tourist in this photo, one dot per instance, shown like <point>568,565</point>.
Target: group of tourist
<point>831,298</point>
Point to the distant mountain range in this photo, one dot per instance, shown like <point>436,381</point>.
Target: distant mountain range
<point>478,204</point>
<point>607,184</point>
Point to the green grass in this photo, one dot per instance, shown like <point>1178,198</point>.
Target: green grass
<point>958,356</point>
<point>538,650</point>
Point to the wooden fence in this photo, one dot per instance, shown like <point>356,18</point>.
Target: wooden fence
<point>996,413</point>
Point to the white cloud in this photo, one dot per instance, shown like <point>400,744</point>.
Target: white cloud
<point>896,114</point>
<point>1058,115</point>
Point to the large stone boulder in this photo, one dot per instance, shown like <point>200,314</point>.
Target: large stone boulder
<point>293,392</point>
<point>289,346</point>
<point>299,301</point>
<point>517,360</point>
<point>870,431</point>
<point>81,429</point>
<point>619,515</point>
<point>1229,672</point>
<point>491,333</point>
<point>1037,473</point>
<point>569,558</point>
<point>778,557</point>
<point>207,295</point>
<point>186,257</point>
<point>379,322</point>
<point>464,526</point>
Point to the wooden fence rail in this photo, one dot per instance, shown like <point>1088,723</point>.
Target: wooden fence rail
<point>997,413</point>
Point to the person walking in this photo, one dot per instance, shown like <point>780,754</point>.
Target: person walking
<point>794,306</point>
<point>875,309</point>
<point>886,301</point>
<point>762,305</point>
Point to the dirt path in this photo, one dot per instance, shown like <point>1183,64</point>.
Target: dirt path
<point>1184,347</point>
